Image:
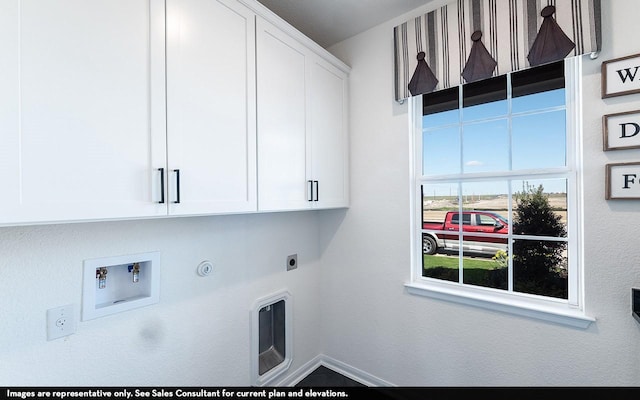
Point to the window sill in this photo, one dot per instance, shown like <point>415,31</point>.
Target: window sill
<point>555,313</point>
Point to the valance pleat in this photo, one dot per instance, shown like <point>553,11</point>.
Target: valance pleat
<point>469,40</point>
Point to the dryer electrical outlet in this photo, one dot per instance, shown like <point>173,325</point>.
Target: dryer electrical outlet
<point>292,262</point>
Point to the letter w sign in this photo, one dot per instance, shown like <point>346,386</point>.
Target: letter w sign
<point>621,76</point>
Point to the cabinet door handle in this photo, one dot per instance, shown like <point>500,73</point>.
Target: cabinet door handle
<point>317,190</point>
<point>310,190</point>
<point>177,171</point>
<point>161,185</point>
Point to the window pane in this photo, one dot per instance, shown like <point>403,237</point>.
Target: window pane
<point>540,207</point>
<point>485,99</point>
<point>539,140</point>
<point>538,101</point>
<point>440,196</point>
<point>485,212</point>
<point>486,195</point>
<point>440,119</point>
<point>486,146</point>
<point>490,238</point>
<point>440,108</point>
<point>444,267</point>
<point>486,272</point>
<point>441,151</point>
<point>540,267</point>
<point>438,202</point>
<point>538,88</point>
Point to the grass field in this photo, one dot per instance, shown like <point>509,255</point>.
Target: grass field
<point>477,271</point>
<point>445,261</point>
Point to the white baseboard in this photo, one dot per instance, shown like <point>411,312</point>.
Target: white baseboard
<point>337,366</point>
<point>299,374</point>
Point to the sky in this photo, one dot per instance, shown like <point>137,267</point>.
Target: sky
<point>538,140</point>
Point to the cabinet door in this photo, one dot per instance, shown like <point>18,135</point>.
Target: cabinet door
<point>211,128</point>
<point>328,133</point>
<point>282,144</point>
<point>82,108</point>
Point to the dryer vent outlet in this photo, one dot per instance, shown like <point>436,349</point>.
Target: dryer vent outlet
<point>271,338</point>
<point>271,329</point>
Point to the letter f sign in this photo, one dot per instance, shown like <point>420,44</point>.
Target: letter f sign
<point>628,179</point>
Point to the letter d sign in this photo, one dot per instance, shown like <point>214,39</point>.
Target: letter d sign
<point>632,126</point>
<point>622,130</point>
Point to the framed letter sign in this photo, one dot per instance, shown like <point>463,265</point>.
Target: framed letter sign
<point>621,131</point>
<point>623,181</point>
<point>620,76</point>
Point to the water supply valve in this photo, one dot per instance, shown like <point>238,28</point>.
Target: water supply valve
<point>135,269</point>
<point>101,275</point>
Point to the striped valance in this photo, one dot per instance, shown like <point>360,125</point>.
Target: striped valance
<point>469,40</point>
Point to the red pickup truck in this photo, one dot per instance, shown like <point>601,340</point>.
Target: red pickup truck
<point>444,236</point>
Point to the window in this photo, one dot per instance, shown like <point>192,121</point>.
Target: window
<point>503,153</point>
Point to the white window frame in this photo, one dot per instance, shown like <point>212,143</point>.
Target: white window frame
<point>570,311</point>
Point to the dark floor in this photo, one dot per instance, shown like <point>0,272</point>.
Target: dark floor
<point>325,377</point>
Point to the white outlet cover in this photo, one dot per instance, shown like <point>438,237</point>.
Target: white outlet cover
<point>60,322</point>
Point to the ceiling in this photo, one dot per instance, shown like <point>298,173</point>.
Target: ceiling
<point>328,22</point>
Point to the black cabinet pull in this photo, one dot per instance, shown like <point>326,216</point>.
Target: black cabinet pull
<point>177,171</point>
<point>161,185</point>
<point>310,187</point>
<point>317,190</point>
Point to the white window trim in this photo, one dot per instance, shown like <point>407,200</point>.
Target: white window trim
<point>570,313</point>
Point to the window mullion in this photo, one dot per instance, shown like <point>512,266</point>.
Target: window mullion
<point>460,195</point>
<point>509,186</point>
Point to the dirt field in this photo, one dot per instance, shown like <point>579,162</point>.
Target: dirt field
<point>435,210</point>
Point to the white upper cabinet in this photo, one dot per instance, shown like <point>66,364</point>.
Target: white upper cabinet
<point>211,114</point>
<point>120,109</point>
<point>327,125</point>
<point>282,107</point>
<point>81,108</point>
<point>302,125</point>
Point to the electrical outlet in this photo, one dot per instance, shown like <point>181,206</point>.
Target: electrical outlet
<point>60,322</point>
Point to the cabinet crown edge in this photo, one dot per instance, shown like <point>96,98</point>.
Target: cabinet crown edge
<point>275,19</point>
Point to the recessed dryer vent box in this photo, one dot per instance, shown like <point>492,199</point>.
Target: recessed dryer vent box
<point>271,338</point>
<point>635,303</point>
<point>116,284</point>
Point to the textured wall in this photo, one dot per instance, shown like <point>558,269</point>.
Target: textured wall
<point>409,340</point>
<point>199,332</point>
